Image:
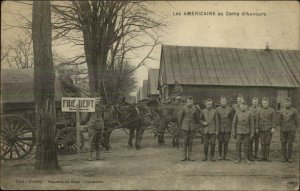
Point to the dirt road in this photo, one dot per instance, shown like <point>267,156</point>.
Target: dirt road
<point>156,167</point>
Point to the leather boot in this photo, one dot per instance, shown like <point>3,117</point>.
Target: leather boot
<point>91,154</point>
<point>220,145</point>
<point>205,153</point>
<point>263,153</point>
<point>284,152</point>
<point>256,147</point>
<point>251,149</point>
<point>190,153</point>
<point>98,154</point>
<point>246,153</point>
<point>225,152</point>
<point>185,152</point>
<point>212,153</point>
<point>238,155</point>
<point>267,153</point>
<point>163,138</point>
<point>290,153</point>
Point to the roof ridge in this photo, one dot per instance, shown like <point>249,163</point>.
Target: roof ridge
<point>220,47</point>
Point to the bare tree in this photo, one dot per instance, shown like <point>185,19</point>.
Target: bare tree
<point>4,53</point>
<point>21,53</point>
<point>44,87</point>
<point>121,83</point>
<point>110,30</point>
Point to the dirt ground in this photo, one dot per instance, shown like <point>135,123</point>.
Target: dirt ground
<point>156,168</point>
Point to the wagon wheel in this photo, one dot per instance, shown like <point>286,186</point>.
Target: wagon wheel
<point>173,129</point>
<point>17,137</point>
<point>66,140</point>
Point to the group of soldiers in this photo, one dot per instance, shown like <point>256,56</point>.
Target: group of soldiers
<point>248,125</point>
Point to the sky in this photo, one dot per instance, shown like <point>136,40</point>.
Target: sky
<point>277,25</point>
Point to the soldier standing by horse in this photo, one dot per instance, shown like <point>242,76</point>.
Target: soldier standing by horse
<point>188,121</point>
<point>95,129</point>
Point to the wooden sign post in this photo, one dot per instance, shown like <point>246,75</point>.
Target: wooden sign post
<point>74,104</point>
<point>78,129</point>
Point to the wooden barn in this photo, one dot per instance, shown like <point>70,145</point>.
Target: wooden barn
<point>209,72</point>
<point>152,91</point>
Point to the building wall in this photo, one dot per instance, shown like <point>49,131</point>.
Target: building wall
<point>295,95</point>
<point>200,93</point>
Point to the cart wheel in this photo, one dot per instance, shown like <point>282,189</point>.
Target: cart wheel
<point>66,141</point>
<point>17,137</point>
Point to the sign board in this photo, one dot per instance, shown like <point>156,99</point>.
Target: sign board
<point>69,104</point>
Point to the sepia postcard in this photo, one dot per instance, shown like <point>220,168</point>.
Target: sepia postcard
<point>150,95</point>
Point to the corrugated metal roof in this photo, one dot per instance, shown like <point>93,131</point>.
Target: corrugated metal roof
<point>153,81</point>
<point>229,66</point>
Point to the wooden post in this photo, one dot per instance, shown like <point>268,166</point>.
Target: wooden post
<point>78,131</point>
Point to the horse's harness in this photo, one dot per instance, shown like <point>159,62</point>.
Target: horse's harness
<point>117,119</point>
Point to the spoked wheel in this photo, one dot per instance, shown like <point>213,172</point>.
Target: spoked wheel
<point>173,129</point>
<point>17,137</point>
<point>66,141</point>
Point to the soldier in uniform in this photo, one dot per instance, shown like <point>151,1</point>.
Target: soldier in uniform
<point>239,100</point>
<point>188,119</point>
<point>265,125</point>
<point>67,83</point>
<point>210,120</point>
<point>243,130</point>
<point>288,122</point>
<point>225,115</point>
<point>95,128</point>
<point>178,90</point>
<point>255,141</point>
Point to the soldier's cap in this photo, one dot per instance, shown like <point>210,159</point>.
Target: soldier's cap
<point>190,98</point>
<point>265,99</point>
<point>255,98</point>
<point>209,100</point>
<point>243,103</point>
<point>177,97</point>
<point>223,98</point>
<point>240,96</point>
<point>288,99</point>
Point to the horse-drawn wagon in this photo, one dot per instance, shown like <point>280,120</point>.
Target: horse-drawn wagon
<point>18,116</point>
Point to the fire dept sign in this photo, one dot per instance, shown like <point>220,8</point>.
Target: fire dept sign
<point>73,104</point>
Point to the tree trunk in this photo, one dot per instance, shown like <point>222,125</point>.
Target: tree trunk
<point>44,88</point>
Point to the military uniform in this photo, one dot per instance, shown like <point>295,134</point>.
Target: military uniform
<point>210,130</point>
<point>225,119</point>
<point>243,130</point>
<point>288,122</point>
<point>264,123</point>
<point>95,129</point>
<point>236,107</point>
<point>253,110</point>
<point>68,85</point>
<point>188,121</point>
<point>178,90</point>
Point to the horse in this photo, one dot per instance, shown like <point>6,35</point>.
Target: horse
<point>163,116</point>
<point>166,119</point>
<point>123,117</point>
